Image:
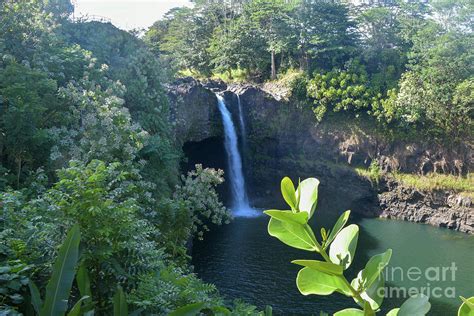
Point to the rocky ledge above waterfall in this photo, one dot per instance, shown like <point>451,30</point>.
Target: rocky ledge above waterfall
<point>193,111</point>
<point>284,140</point>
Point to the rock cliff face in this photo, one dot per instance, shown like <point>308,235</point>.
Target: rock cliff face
<point>438,208</point>
<point>282,139</point>
<point>193,111</point>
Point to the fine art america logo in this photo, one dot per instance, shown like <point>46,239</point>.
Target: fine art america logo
<point>436,281</point>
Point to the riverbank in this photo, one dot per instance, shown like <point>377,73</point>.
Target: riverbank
<point>436,207</point>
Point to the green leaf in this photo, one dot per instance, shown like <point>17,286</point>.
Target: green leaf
<point>288,192</point>
<point>268,310</point>
<point>467,307</point>
<point>326,267</point>
<point>342,220</point>
<point>188,310</point>
<point>288,216</point>
<point>375,266</point>
<point>294,235</point>
<point>120,303</point>
<point>417,305</point>
<point>35,297</point>
<point>393,312</point>
<point>373,295</point>
<point>76,309</point>
<point>343,248</point>
<point>370,279</point>
<point>83,281</point>
<point>310,281</point>
<point>221,311</point>
<point>350,312</point>
<point>307,196</point>
<point>84,285</point>
<point>59,286</point>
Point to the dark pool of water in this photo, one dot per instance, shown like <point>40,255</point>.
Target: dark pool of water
<point>243,261</point>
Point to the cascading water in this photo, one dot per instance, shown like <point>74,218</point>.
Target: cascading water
<point>241,118</point>
<point>243,132</point>
<point>241,205</point>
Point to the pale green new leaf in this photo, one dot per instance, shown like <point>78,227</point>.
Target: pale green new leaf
<point>288,216</point>
<point>307,195</point>
<point>342,220</point>
<point>417,305</point>
<point>310,281</point>
<point>343,247</point>
<point>350,312</point>
<point>393,312</point>
<point>293,234</point>
<point>326,267</point>
<point>59,286</point>
<point>467,307</point>
<point>288,192</point>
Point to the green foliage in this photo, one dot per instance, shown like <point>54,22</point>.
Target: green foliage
<point>325,34</point>
<point>326,277</point>
<point>29,106</point>
<point>194,207</point>
<point>13,281</point>
<point>373,173</point>
<point>86,140</point>
<point>341,90</point>
<point>259,36</point>
<point>170,289</point>
<point>406,64</point>
<point>199,195</point>
<point>463,185</point>
<point>102,199</point>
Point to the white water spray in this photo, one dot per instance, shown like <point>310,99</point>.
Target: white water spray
<point>241,205</point>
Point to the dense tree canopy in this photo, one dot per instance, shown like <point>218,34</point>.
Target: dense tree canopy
<point>407,63</point>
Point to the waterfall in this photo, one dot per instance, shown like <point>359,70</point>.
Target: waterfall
<point>243,131</point>
<point>241,118</point>
<point>240,205</point>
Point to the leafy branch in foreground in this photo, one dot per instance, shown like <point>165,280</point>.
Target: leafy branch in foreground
<point>467,307</point>
<point>337,248</point>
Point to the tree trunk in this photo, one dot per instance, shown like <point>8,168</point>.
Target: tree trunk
<point>229,71</point>
<point>273,66</point>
